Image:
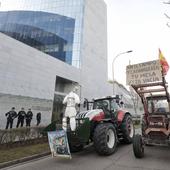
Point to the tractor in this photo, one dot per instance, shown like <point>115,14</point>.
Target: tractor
<point>155,123</point>
<point>104,125</point>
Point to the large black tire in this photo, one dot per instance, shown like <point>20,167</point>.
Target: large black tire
<point>105,139</point>
<point>128,129</point>
<point>138,146</point>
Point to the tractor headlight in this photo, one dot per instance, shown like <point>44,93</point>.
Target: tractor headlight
<point>81,121</point>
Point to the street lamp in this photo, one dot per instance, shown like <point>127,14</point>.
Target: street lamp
<point>113,66</point>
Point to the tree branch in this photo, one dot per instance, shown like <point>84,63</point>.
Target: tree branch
<point>167,15</point>
<point>167,2</point>
<point>168,24</point>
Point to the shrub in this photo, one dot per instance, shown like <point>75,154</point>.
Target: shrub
<point>21,134</point>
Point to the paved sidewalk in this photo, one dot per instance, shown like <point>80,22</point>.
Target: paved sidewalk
<point>25,159</point>
<point>156,158</point>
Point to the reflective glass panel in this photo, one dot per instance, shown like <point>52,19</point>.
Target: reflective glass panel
<point>51,26</point>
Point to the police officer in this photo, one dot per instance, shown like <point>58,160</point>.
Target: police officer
<point>21,117</point>
<point>38,117</point>
<point>28,117</point>
<point>11,115</point>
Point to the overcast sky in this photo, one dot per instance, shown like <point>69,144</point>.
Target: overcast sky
<point>138,25</point>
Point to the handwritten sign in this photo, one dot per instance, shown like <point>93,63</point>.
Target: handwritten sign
<point>143,73</point>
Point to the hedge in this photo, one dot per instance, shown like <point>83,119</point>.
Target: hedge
<point>21,135</point>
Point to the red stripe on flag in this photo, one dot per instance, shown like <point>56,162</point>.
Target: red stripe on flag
<point>164,63</point>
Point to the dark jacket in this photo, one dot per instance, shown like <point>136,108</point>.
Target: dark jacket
<point>38,116</point>
<point>11,115</point>
<point>21,114</point>
<point>29,115</point>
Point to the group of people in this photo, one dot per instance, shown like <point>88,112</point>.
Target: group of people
<point>21,115</point>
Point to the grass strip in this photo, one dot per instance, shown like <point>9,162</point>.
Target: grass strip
<point>9,154</point>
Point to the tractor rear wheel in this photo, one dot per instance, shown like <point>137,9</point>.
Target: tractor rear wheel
<point>138,146</point>
<point>105,139</point>
<point>127,129</point>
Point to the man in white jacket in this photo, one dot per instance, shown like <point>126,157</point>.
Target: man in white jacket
<point>70,100</point>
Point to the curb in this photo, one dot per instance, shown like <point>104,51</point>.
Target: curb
<point>25,159</point>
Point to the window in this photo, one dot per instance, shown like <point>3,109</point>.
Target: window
<point>45,26</point>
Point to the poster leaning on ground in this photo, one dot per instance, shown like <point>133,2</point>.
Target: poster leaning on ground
<point>58,143</point>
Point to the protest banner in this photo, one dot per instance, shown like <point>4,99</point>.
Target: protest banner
<point>143,73</point>
<point>58,143</point>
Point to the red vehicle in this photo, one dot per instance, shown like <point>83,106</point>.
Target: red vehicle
<point>104,124</point>
<point>156,118</point>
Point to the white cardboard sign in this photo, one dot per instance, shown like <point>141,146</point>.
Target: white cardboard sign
<point>143,73</point>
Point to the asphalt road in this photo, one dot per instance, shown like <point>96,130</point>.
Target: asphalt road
<point>156,158</point>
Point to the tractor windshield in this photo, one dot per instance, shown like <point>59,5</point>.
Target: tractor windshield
<point>114,105</point>
<point>157,106</point>
<point>110,105</point>
<point>101,104</point>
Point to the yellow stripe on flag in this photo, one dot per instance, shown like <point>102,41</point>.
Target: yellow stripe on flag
<point>164,63</point>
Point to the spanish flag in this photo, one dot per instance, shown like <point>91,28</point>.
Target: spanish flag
<point>164,63</point>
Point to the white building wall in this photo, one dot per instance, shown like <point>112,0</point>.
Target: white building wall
<point>26,71</point>
<point>28,78</point>
<point>94,51</point>
<point>36,105</point>
<point>28,75</point>
<point>127,99</point>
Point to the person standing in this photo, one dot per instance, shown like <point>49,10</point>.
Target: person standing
<point>11,115</point>
<point>21,117</point>
<point>70,100</point>
<point>38,117</point>
<point>28,117</point>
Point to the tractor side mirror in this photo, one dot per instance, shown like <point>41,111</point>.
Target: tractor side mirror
<point>121,103</point>
<point>85,104</point>
<point>117,99</point>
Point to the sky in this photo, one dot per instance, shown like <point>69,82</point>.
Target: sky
<point>138,25</point>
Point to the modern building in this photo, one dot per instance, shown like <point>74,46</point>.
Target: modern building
<point>131,100</point>
<point>48,47</point>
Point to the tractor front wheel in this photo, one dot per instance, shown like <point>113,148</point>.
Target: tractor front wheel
<point>138,146</point>
<point>105,139</point>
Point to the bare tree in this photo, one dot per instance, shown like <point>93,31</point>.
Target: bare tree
<point>168,2</point>
<point>167,16</point>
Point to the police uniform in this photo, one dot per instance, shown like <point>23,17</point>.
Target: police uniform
<point>21,117</point>
<point>11,115</point>
<point>38,117</point>
<point>28,117</point>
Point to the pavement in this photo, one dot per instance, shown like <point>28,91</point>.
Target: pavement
<point>156,158</point>
<point>22,160</point>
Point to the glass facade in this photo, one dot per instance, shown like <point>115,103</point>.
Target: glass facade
<point>51,26</point>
